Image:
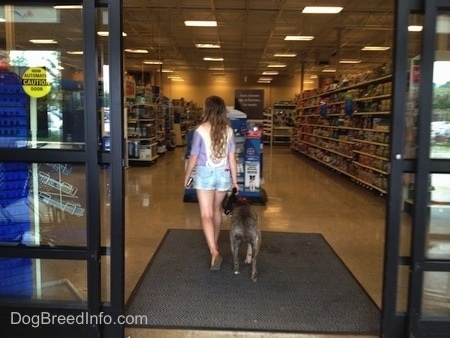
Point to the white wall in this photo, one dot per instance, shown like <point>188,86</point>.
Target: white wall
<point>198,85</point>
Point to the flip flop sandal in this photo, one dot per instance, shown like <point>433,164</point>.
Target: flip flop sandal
<point>215,263</point>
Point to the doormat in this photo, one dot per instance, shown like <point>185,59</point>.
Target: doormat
<point>302,287</point>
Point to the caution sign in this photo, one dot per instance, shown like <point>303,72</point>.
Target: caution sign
<point>35,82</point>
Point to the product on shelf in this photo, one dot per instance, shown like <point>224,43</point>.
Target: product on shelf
<point>149,131</point>
<point>346,128</point>
<point>279,121</point>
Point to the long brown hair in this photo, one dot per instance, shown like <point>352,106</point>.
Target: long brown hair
<point>215,113</point>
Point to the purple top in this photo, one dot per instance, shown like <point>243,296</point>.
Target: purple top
<point>201,142</point>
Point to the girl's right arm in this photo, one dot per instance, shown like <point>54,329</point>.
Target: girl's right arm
<point>193,157</point>
<point>192,161</point>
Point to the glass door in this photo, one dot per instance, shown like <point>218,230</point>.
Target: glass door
<point>61,169</point>
<point>416,296</point>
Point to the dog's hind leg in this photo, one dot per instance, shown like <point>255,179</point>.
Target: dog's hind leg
<point>235,242</point>
<point>248,256</point>
<point>256,245</point>
<point>254,276</point>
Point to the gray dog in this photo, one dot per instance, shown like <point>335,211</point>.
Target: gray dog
<point>244,227</point>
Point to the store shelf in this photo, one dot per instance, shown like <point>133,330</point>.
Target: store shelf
<point>145,130</point>
<point>281,135</point>
<point>183,121</point>
<point>353,142</point>
<point>278,123</point>
<point>166,139</point>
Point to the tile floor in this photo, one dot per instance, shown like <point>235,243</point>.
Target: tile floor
<point>302,197</point>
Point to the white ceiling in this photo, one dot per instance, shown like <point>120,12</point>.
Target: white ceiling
<point>251,31</point>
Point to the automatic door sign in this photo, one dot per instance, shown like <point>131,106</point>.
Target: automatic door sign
<point>35,82</point>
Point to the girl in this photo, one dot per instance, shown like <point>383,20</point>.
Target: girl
<point>213,155</point>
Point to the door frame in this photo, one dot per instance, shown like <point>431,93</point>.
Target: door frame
<point>92,157</point>
<point>411,322</point>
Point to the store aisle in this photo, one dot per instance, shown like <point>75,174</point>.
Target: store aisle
<point>302,197</point>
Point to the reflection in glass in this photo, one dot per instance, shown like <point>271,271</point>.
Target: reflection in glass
<point>42,204</point>
<point>406,219</point>
<point>402,288</point>
<point>440,125</point>
<point>16,278</point>
<point>105,278</point>
<point>105,204</point>
<point>45,204</point>
<point>39,279</point>
<point>412,107</point>
<point>41,86</point>
<point>438,239</point>
<point>435,294</point>
<point>15,220</point>
<point>62,200</point>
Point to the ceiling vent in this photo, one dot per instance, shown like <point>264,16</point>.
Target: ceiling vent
<point>323,60</point>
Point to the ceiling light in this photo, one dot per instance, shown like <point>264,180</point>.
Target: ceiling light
<point>299,37</point>
<point>220,80</point>
<point>207,45</point>
<point>415,28</point>
<point>152,62</point>
<point>43,41</point>
<point>285,55</point>
<point>201,23</point>
<point>216,68</point>
<point>105,33</point>
<point>68,7</point>
<point>262,81</point>
<point>137,51</point>
<point>321,10</point>
<point>328,70</point>
<point>265,78</point>
<point>212,59</point>
<point>308,81</point>
<point>375,48</point>
<point>313,77</point>
<point>179,79</point>
<point>350,61</point>
<point>277,65</point>
<point>75,52</point>
<point>270,73</point>
<point>166,70</point>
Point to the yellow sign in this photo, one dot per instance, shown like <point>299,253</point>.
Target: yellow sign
<point>35,82</point>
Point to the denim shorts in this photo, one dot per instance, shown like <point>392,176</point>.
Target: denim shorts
<point>207,178</point>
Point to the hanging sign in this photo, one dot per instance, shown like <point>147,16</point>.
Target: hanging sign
<point>35,82</point>
<point>251,102</point>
